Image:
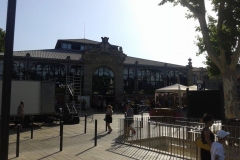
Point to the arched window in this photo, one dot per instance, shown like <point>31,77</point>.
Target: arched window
<point>103,81</point>
<point>195,78</point>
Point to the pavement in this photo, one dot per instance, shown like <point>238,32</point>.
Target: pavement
<point>77,145</point>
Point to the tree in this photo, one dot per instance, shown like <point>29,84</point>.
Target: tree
<point>220,39</point>
<point>2,42</point>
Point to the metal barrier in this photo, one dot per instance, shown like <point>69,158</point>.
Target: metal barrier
<point>173,139</point>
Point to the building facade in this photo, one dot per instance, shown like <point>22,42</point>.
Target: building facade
<point>105,70</point>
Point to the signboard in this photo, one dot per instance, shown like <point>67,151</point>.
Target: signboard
<point>200,85</point>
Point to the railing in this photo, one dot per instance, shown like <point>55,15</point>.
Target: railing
<point>175,138</point>
<point>71,108</point>
<point>183,121</point>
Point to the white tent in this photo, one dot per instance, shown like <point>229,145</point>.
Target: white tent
<point>175,88</point>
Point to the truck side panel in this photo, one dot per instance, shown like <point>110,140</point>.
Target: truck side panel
<point>27,91</point>
<point>47,97</point>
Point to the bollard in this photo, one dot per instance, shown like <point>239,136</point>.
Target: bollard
<point>95,139</point>
<point>85,127</point>
<point>18,137</point>
<point>60,123</point>
<point>61,135</point>
<point>60,118</point>
<point>32,119</point>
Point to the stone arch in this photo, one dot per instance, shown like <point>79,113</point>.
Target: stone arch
<point>103,81</point>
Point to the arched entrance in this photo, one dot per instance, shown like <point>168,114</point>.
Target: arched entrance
<point>103,88</point>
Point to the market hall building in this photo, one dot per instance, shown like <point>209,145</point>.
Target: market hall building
<point>104,69</point>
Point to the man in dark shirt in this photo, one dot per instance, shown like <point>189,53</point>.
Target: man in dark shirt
<point>129,121</point>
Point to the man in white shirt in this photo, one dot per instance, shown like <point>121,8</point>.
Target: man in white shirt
<point>217,150</point>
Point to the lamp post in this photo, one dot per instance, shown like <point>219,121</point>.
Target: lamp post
<point>7,80</point>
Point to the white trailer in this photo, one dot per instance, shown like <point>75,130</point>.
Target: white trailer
<point>39,98</point>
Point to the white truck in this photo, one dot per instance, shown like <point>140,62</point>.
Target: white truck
<point>39,98</point>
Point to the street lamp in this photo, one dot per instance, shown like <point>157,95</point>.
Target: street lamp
<point>7,80</point>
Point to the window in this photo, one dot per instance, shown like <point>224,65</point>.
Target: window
<point>48,72</point>
<point>103,81</point>
<point>18,70</point>
<point>66,46</point>
<point>195,78</point>
<point>82,47</point>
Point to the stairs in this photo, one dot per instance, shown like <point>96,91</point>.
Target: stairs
<point>73,93</point>
<point>70,116</point>
<point>73,89</point>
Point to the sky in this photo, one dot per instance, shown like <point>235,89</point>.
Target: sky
<point>141,27</point>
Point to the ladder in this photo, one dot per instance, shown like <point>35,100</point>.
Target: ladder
<point>69,87</point>
<point>73,93</point>
<point>73,87</point>
<point>77,87</point>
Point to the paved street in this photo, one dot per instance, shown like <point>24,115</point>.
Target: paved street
<point>76,144</point>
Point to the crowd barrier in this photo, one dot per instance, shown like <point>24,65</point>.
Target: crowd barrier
<point>175,136</point>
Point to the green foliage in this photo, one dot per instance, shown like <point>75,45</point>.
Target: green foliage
<point>226,37</point>
<point>229,34</point>
<point>2,42</point>
<point>212,68</point>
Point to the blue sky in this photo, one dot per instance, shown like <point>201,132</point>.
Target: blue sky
<point>144,29</point>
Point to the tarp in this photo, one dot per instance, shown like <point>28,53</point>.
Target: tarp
<point>176,88</point>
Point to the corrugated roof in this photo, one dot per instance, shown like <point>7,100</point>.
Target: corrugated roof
<point>199,69</point>
<point>76,55</point>
<point>87,41</point>
<point>132,60</point>
<point>50,54</point>
<point>80,41</point>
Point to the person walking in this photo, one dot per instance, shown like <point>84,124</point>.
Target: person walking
<point>20,115</point>
<point>217,150</point>
<point>109,118</point>
<point>129,121</point>
<point>207,136</point>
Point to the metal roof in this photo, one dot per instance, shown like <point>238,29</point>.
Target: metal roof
<point>80,41</point>
<point>132,60</point>
<point>86,41</point>
<point>76,55</point>
<point>49,54</point>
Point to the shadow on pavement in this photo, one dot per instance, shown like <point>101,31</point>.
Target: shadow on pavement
<point>84,151</point>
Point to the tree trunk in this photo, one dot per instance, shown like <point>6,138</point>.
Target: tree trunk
<point>230,94</point>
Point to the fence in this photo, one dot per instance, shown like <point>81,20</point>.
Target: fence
<point>175,138</point>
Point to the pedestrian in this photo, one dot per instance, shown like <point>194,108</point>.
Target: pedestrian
<point>217,150</point>
<point>207,136</point>
<point>20,115</point>
<point>129,121</point>
<point>109,118</point>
